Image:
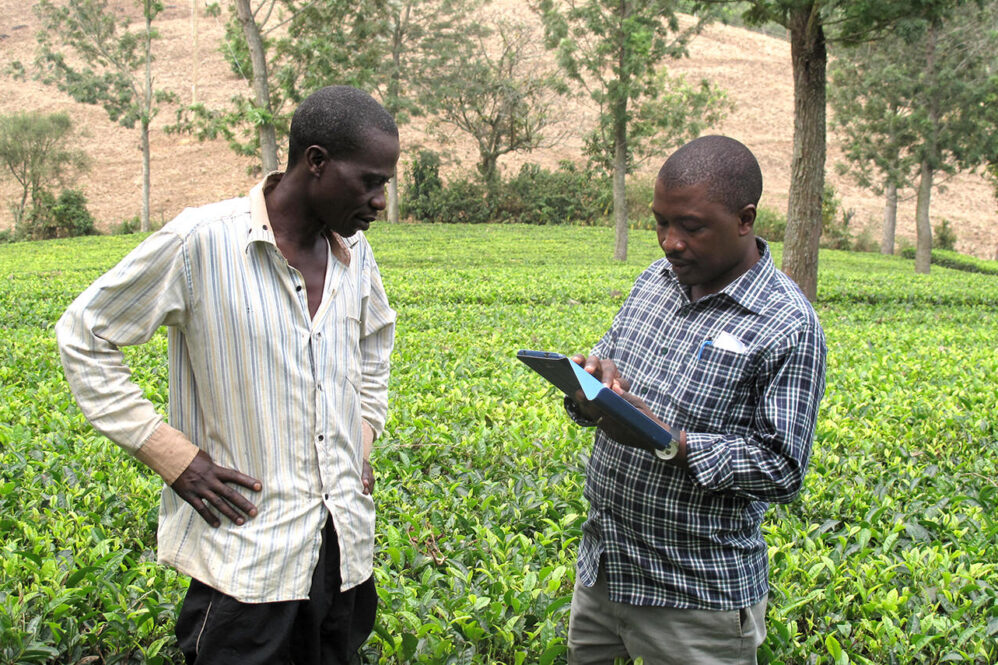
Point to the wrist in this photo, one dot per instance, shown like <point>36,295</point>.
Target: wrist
<point>575,413</point>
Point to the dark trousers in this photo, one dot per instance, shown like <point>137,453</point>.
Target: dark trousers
<point>326,629</point>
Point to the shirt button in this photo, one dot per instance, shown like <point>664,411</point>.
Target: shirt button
<point>321,437</point>
<point>318,335</point>
<point>298,288</point>
<point>326,496</point>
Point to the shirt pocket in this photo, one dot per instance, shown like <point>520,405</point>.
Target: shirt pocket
<point>706,395</point>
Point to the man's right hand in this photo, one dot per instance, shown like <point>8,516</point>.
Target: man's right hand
<point>204,483</point>
<point>606,371</point>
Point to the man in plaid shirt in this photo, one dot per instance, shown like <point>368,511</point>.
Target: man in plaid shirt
<point>723,350</point>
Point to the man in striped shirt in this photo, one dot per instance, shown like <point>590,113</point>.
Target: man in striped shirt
<point>724,351</point>
<point>279,341</point>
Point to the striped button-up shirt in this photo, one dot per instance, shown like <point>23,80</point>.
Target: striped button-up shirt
<point>742,372</point>
<point>255,381</point>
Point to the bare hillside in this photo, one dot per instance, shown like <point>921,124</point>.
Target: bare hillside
<point>754,70</point>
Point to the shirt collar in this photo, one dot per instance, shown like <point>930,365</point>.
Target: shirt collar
<point>746,288</point>
<point>262,231</point>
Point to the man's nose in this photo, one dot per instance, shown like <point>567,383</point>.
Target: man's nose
<point>379,200</point>
<point>672,242</point>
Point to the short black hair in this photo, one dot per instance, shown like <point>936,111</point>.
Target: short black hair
<point>337,118</point>
<point>726,166</point>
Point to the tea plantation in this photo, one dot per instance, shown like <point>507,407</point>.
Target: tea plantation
<point>890,555</point>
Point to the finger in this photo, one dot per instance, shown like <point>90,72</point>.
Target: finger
<point>238,500</point>
<point>201,508</point>
<point>222,506</point>
<point>579,359</point>
<point>608,372</point>
<point>593,366</point>
<point>227,475</point>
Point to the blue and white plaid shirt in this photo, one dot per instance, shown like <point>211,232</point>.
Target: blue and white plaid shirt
<point>691,538</point>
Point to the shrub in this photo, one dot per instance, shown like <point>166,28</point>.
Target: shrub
<point>770,224</point>
<point>533,196</point>
<point>49,217</point>
<point>956,261</point>
<point>127,226</point>
<point>943,236</point>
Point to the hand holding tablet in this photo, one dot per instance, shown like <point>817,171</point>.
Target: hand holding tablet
<point>637,429</point>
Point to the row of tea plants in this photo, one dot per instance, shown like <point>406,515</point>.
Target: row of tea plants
<point>890,555</point>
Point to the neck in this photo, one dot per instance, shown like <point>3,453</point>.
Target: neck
<point>288,215</point>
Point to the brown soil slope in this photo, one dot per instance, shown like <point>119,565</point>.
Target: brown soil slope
<point>752,68</point>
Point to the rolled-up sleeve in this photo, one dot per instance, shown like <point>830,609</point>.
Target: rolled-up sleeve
<point>124,307</point>
<point>768,464</point>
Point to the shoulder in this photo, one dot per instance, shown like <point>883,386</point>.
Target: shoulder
<point>788,312</point>
<point>220,218</point>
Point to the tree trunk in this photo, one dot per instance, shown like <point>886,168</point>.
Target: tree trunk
<point>923,227</point>
<point>809,57</point>
<point>620,192</point>
<point>261,86</point>
<point>392,101</point>
<point>393,198</point>
<point>890,219</point>
<point>144,222</point>
<point>146,119</point>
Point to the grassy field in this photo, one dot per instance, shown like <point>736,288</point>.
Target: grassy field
<point>890,556</point>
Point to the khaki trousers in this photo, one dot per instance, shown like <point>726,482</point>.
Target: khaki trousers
<point>600,631</point>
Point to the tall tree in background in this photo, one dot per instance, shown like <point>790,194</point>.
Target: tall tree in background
<point>247,17</point>
<point>36,150</point>
<point>924,99</point>
<point>110,65</point>
<point>285,49</point>
<point>614,49</point>
<point>812,24</point>
<point>867,91</point>
<point>495,91</point>
<point>423,39</point>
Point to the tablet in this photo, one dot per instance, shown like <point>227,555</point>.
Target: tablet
<point>569,378</point>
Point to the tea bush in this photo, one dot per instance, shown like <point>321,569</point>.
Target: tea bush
<point>890,555</point>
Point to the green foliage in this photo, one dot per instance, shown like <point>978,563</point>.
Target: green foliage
<point>770,224</point>
<point>63,217</point>
<point>533,196</point>
<point>33,148</point>
<point>115,63</point>
<point>950,259</point>
<point>944,236</point>
<point>495,91</point>
<point>888,556</point>
<point>614,51</point>
<point>126,226</point>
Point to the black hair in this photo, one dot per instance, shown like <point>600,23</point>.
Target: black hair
<point>337,118</point>
<point>726,166</point>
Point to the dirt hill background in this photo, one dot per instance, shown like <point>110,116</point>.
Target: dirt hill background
<point>752,68</point>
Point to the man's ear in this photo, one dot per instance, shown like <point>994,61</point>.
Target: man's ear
<point>746,219</point>
<point>316,159</point>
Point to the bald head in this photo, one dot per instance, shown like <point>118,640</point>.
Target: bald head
<point>728,169</point>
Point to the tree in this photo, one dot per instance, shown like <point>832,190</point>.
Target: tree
<point>424,38</point>
<point>614,49</point>
<point>36,149</point>
<point>925,101</point>
<point>872,125</point>
<point>497,94</point>
<point>285,50</point>
<point>113,66</point>
<point>849,22</point>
